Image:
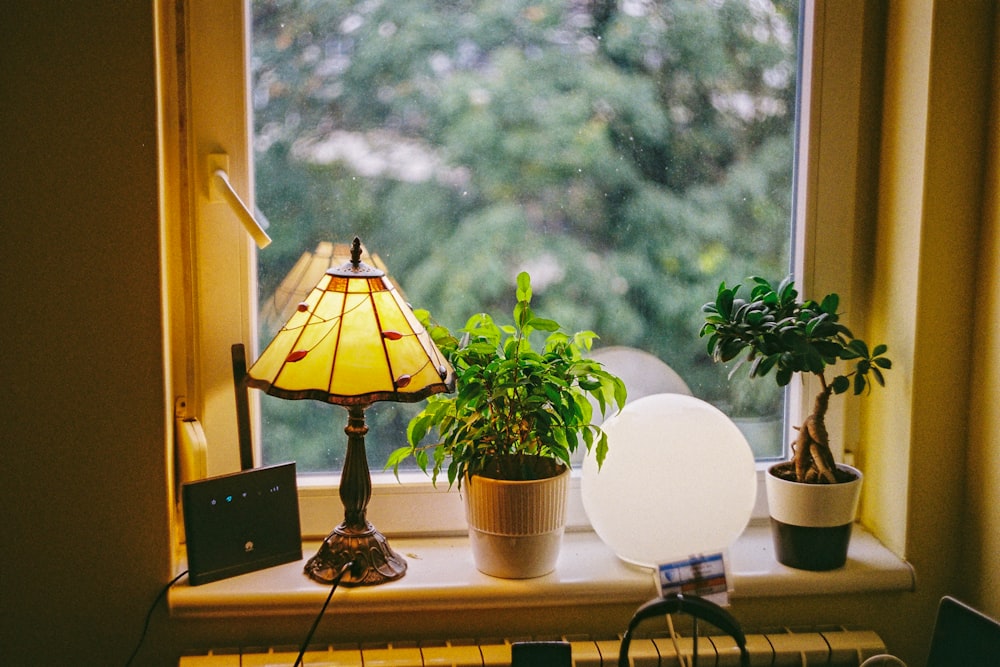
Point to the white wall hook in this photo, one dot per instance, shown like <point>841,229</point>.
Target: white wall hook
<point>220,189</point>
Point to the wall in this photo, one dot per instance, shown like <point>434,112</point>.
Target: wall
<point>84,478</point>
<point>84,462</point>
<point>928,242</point>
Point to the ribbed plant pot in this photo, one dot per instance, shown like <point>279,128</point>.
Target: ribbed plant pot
<point>516,528</point>
<point>811,523</point>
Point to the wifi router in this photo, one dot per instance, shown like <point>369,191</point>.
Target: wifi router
<point>241,522</point>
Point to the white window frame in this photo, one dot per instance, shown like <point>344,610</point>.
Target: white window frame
<point>216,262</point>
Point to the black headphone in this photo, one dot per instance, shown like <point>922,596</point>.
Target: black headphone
<point>695,606</point>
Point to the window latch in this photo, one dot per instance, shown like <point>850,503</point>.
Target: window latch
<point>220,189</point>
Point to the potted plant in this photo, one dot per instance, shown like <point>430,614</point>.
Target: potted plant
<point>506,435</point>
<point>812,499</point>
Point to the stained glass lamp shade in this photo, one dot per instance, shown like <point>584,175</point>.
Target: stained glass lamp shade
<point>353,341</point>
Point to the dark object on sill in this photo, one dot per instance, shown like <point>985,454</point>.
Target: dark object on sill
<point>541,654</point>
<point>241,522</point>
<point>695,606</point>
<point>963,637</point>
<point>243,430</point>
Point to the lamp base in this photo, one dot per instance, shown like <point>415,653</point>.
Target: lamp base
<point>374,560</point>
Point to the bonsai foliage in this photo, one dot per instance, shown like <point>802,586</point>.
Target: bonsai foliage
<point>781,334</point>
<point>517,412</point>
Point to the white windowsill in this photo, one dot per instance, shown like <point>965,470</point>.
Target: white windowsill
<point>441,577</point>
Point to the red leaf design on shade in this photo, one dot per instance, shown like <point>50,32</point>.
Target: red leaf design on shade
<point>392,335</point>
<point>302,307</point>
<point>403,380</point>
<point>297,355</point>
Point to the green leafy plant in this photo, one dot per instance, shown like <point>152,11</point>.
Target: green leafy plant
<point>518,412</point>
<point>782,334</point>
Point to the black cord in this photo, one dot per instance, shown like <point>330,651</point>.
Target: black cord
<point>694,646</point>
<point>319,616</point>
<point>149,616</point>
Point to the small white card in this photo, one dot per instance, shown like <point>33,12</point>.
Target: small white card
<point>704,575</point>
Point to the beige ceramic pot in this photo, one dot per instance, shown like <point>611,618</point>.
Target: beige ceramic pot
<point>516,528</point>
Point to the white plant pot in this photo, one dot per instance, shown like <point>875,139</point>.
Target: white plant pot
<point>516,528</point>
<point>811,523</point>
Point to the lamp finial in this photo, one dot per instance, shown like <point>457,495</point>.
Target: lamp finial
<point>355,268</point>
<point>356,252</point>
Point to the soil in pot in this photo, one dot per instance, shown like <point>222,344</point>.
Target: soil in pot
<point>786,471</point>
<point>811,523</point>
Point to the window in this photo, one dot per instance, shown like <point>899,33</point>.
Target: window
<point>630,156</point>
<point>219,263</point>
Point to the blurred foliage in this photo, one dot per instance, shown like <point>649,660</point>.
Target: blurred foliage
<point>629,156</point>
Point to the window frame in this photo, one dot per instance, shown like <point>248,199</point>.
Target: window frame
<point>216,261</point>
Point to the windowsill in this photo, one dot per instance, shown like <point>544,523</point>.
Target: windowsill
<point>441,577</point>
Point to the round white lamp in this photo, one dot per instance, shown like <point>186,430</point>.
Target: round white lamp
<point>679,480</point>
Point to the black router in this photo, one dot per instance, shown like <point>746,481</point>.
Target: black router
<point>241,522</point>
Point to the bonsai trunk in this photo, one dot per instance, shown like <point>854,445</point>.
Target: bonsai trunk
<point>813,461</point>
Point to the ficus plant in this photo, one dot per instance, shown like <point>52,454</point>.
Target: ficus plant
<point>520,408</point>
<point>779,333</point>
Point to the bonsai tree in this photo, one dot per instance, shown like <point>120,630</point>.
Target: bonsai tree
<point>518,412</point>
<point>781,334</point>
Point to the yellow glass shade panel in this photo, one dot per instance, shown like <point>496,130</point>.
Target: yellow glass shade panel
<point>353,340</point>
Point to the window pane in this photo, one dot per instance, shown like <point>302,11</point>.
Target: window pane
<point>630,156</point>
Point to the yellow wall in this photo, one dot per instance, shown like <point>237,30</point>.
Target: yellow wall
<point>929,232</point>
<point>84,464</point>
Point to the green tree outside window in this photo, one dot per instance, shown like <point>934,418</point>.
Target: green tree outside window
<point>629,155</point>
